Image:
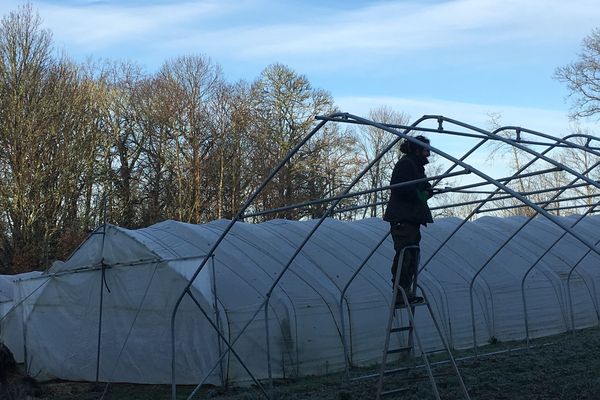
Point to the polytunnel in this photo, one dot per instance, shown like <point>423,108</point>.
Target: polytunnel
<point>237,302</point>
<point>488,192</point>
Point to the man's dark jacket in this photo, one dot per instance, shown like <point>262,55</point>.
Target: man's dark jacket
<point>408,203</point>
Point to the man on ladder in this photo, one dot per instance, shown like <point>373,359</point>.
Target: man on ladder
<point>407,210</point>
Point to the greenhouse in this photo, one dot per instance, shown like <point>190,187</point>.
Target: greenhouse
<point>240,301</point>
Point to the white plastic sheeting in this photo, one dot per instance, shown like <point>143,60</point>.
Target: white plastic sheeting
<point>11,311</point>
<point>147,269</point>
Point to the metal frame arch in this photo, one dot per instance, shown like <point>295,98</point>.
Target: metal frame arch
<point>567,143</point>
<point>211,251</point>
<point>511,237</point>
<point>344,117</point>
<point>501,186</point>
<point>569,300</point>
<point>347,352</point>
<point>330,209</point>
<point>491,197</point>
<point>535,207</point>
<point>240,215</point>
<point>594,296</point>
<point>514,194</point>
<point>442,307</point>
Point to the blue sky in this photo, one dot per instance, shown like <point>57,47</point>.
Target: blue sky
<point>459,58</point>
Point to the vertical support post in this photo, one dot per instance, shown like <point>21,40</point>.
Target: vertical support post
<point>267,333</point>
<point>217,317</point>
<point>102,275</point>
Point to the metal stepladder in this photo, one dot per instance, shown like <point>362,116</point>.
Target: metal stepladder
<point>394,314</point>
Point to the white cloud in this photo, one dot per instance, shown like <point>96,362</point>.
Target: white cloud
<point>376,29</point>
<point>391,27</point>
<point>98,24</point>
<point>335,43</point>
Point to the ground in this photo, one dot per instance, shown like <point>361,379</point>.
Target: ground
<point>559,368</point>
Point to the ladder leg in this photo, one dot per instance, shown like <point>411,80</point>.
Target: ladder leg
<point>386,345</point>
<point>423,354</point>
<point>447,348</point>
<point>413,292</point>
<point>413,337</point>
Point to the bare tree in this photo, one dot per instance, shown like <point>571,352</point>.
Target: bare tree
<point>581,161</point>
<point>199,81</point>
<point>123,140</point>
<point>44,120</point>
<point>158,101</point>
<point>284,107</point>
<point>371,142</point>
<point>229,162</point>
<point>582,78</point>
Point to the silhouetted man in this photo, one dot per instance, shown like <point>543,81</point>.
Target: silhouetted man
<point>407,210</point>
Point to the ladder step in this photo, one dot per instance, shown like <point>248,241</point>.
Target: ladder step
<point>393,391</point>
<point>363,377</point>
<point>420,378</point>
<point>396,370</point>
<point>421,303</point>
<point>408,377</point>
<point>400,350</point>
<point>401,329</point>
<point>423,377</point>
<point>376,375</point>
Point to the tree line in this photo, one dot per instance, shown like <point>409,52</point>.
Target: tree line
<point>85,143</point>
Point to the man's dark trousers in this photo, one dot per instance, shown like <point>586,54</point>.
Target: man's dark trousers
<point>405,234</point>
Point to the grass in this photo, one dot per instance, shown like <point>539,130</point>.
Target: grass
<point>559,367</point>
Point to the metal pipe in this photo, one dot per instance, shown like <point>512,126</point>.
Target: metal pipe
<point>230,348</point>
<point>545,202</point>
<point>570,298</point>
<point>328,211</point>
<point>445,131</point>
<point>445,344</point>
<point>217,315</point>
<point>348,195</point>
<point>346,118</point>
<point>251,199</point>
<point>100,306</point>
<point>347,356</point>
<point>525,314</point>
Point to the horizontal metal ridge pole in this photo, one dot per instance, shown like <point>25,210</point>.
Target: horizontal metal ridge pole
<point>505,179</point>
<point>349,195</point>
<point>446,131</point>
<point>459,189</point>
<point>526,175</point>
<point>546,202</point>
<point>527,193</point>
<point>573,207</point>
<point>505,197</point>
